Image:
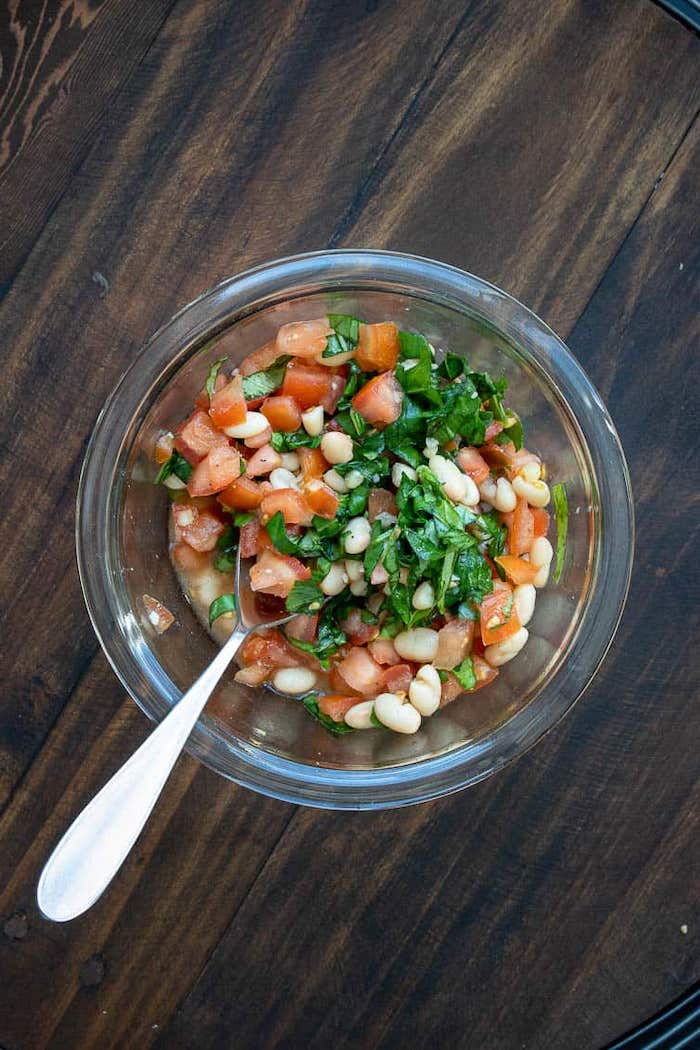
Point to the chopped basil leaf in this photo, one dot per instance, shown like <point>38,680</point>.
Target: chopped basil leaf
<point>226,545</point>
<point>358,422</point>
<point>452,366</point>
<point>288,442</point>
<point>305,596</point>
<point>260,384</point>
<point>445,578</point>
<point>176,465</point>
<point>513,433</point>
<point>416,376</point>
<point>211,378</point>
<point>337,728</point>
<point>464,673</point>
<point>242,518</point>
<point>354,503</point>
<point>346,326</point>
<point>410,455</point>
<point>561,512</point>
<point>413,344</point>
<point>375,721</point>
<point>225,603</point>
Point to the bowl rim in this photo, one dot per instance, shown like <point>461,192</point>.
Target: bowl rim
<point>226,303</point>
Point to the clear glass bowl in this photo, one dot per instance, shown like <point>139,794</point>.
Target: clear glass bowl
<point>269,743</point>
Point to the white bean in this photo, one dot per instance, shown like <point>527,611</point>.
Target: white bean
<point>294,680</point>
<point>336,361</point>
<point>524,601</point>
<point>541,554</point>
<point>336,447</point>
<point>504,498</point>
<point>254,423</point>
<point>173,482</point>
<point>419,644</point>
<point>283,479</point>
<point>335,579</point>
<point>471,493</point>
<point>535,492</point>
<point>431,447</point>
<point>398,470</point>
<point>396,715</point>
<point>353,479</point>
<point>531,472</point>
<point>453,481</point>
<point>336,481</point>
<point>424,596</point>
<point>487,490</point>
<point>312,420</point>
<point>359,588</point>
<point>425,690</point>
<point>358,717</point>
<point>290,461</point>
<point>501,652</point>
<point>357,535</point>
<point>354,569</point>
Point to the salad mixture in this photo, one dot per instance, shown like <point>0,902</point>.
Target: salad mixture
<point>386,497</point>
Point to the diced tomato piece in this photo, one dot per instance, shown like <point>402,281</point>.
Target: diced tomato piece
<point>295,510</point>
<point>483,672</point>
<point>384,652</point>
<point>198,527</point>
<point>451,689</point>
<point>338,382</point>
<point>282,413</point>
<point>379,575</point>
<point>220,468</point>
<point>379,347</point>
<point>307,384</point>
<point>520,459</point>
<point>499,617</point>
<point>380,400</point>
<point>540,521</point>
<point>276,573</point>
<point>336,706</point>
<point>260,359</point>
<point>248,538</point>
<point>313,463</point>
<point>197,437</point>
<point>473,464</point>
<point>303,338</point>
<point>253,675</point>
<point>302,627</point>
<point>522,530</point>
<point>516,569</point>
<point>158,616</point>
<point>243,494</point>
<point>454,643</point>
<point>361,672</point>
<point>381,501</point>
<point>259,440</point>
<point>163,449</point>
<point>263,461</point>
<point>321,499</point>
<point>187,559</point>
<point>269,648</point>
<point>202,399</point>
<point>357,630</point>
<point>398,678</point>
<point>228,407</point>
<point>338,683</point>
<point>493,430</point>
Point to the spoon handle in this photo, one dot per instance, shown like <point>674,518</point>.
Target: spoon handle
<point>98,841</point>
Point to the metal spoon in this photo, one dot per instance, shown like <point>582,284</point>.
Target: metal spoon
<point>98,841</point>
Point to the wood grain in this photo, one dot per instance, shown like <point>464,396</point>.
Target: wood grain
<point>519,141</point>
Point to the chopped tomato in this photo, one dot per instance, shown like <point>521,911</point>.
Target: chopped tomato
<point>157,614</point>
<point>197,437</point>
<point>357,630</point>
<point>473,464</point>
<point>361,672</point>
<point>253,675</point>
<point>521,532</point>
<point>295,510</point>
<point>499,617</point>
<point>228,407</point>
<point>282,413</point>
<point>380,400</point>
<point>302,627</point>
<point>202,398</point>
<point>187,559</point>
<point>220,468</point>
<point>483,672</point>
<point>276,573</point>
<point>321,499</point>
<point>383,651</point>
<point>336,706</point>
<point>379,575</point>
<point>329,401</point>
<point>307,384</point>
<point>248,539</point>
<point>258,440</point>
<point>540,521</point>
<point>263,461</point>
<point>303,338</point>
<point>164,448</point>
<point>379,347</point>
<point>260,359</point>
<point>398,678</point>
<point>198,527</point>
<point>313,463</point>
<point>493,430</point>
<point>337,682</point>
<point>243,494</point>
<point>451,689</point>
<point>381,501</point>
<point>454,643</point>
<point>269,648</point>
<point>517,569</point>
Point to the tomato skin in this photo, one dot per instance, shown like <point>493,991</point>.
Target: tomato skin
<point>219,470</point>
<point>379,401</point>
<point>499,616</point>
<point>303,627</point>
<point>540,520</point>
<point>282,413</point>
<point>263,461</point>
<point>275,573</point>
<point>243,494</point>
<point>321,499</point>
<point>329,401</point>
<point>228,407</point>
<point>303,338</point>
<point>516,569</point>
<point>163,449</point>
<point>454,643</point>
<point>313,463</point>
<point>378,348</point>
<point>521,532</point>
<point>295,510</point>
<point>248,539</point>
<point>336,706</point>
<point>198,527</point>
<point>308,385</point>
<point>471,462</point>
<point>359,632</point>
<point>197,437</point>
<point>361,672</point>
<point>383,651</point>
<point>397,678</point>
<point>493,430</point>
<point>269,648</point>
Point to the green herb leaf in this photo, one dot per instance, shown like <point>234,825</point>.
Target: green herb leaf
<point>211,377</point>
<point>226,545</point>
<point>288,442</point>
<point>375,721</point>
<point>464,673</point>
<point>176,465</point>
<point>413,344</point>
<point>305,597</point>
<point>452,366</point>
<point>561,512</point>
<point>346,326</point>
<point>225,603</point>
<point>261,384</point>
<point>337,728</point>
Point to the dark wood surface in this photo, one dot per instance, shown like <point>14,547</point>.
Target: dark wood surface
<point>147,151</point>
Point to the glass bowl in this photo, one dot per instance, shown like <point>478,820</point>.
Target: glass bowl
<point>270,743</point>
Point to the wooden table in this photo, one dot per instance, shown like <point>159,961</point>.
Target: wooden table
<point>147,151</point>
